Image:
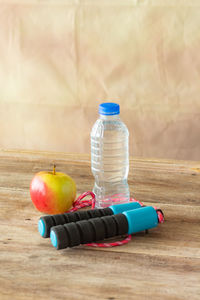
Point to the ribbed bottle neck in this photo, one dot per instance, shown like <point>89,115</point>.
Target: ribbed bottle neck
<point>109,117</point>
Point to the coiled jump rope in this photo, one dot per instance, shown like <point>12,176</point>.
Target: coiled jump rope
<point>74,228</point>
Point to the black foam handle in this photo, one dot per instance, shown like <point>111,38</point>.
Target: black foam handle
<point>87,231</point>
<point>54,220</point>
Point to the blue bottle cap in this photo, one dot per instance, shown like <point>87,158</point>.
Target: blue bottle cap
<point>109,108</point>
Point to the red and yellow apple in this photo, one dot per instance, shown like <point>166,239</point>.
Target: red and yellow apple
<point>52,192</point>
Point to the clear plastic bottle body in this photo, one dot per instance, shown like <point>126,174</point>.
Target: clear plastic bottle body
<point>110,160</point>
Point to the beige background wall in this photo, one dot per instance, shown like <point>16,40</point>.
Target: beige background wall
<point>60,59</point>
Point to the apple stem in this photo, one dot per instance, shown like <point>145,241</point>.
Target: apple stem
<point>54,169</point>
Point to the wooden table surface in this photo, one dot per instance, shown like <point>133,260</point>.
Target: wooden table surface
<point>164,264</point>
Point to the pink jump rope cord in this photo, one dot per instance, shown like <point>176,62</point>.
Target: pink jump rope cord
<point>79,203</point>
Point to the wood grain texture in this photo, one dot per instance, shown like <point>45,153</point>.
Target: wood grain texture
<point>165,264</point>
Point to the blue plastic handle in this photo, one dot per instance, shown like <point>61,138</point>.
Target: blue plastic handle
<point>141,219</point>
<point>120,208</point>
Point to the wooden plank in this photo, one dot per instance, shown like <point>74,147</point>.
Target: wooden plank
<point>164,264</point>
<point>157,181</point>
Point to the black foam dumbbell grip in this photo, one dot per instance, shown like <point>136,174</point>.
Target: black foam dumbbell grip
<point>92,230</point>
<point>60,219</point>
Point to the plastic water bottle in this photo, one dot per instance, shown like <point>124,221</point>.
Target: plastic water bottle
<point>110,157</point>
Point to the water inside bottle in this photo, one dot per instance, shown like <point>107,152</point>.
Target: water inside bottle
<point>110,161</point>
